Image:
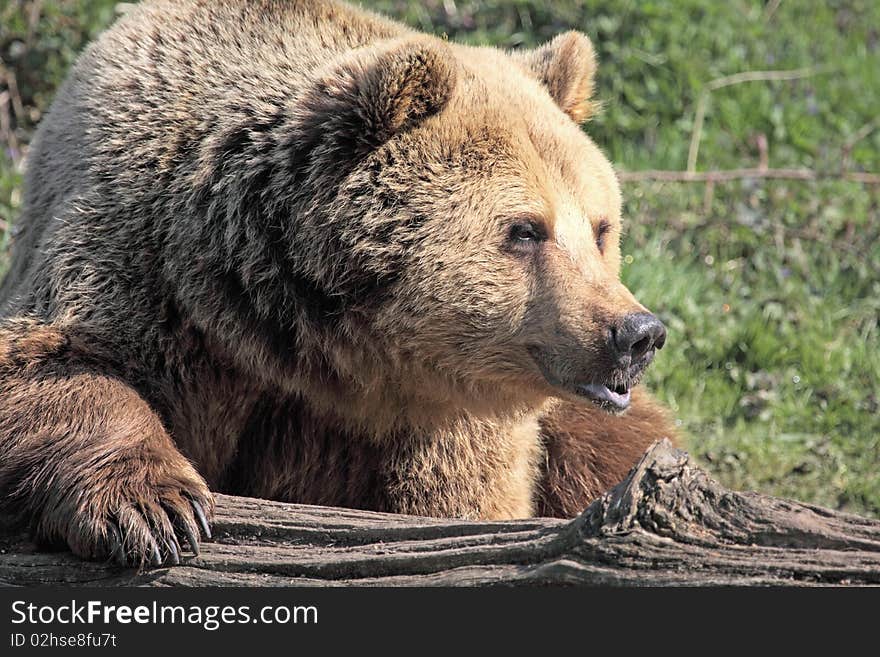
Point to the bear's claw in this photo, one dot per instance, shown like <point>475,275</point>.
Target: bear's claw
<point>154,535</point>
<point>203,521</point>
<point>191,538</point>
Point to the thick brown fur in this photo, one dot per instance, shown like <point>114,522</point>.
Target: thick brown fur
<point>280,243</point>
<point>588,450</point>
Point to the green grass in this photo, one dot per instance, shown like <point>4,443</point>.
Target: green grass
<point>773,314</point>
<point>770,290</point>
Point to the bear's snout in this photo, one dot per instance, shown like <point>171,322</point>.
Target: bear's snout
<point>604,372</point>
<point>636,338</point>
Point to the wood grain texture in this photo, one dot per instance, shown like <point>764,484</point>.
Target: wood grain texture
<point>667,523</point>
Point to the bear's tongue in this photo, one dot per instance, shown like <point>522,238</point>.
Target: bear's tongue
<point>604,396</point>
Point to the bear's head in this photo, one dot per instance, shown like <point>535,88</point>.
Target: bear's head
<point>455,224</point>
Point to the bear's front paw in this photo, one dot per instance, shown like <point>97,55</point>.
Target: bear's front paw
<point>137,515</point>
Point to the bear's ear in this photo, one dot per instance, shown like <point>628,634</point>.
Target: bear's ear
<point>377,91</point>
<point>566,66</point>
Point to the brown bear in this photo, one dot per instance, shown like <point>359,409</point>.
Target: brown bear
<point>295,250</point>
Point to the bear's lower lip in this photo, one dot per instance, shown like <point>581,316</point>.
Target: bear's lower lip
<point>605,397</point>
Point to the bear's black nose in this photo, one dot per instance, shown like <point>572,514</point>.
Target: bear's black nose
<point>638,334</point>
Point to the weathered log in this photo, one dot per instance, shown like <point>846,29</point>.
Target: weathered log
<point>667,523</point>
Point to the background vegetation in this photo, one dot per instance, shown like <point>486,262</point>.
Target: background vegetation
<point>770,289</point>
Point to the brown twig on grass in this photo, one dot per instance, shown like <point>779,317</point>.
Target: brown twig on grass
<point>763,151</point>
<point>727,81</point>
<point>708,196</point>
<point>728,175</point>
<point>35,9</point>
<point>7,133</point>
<point>14,94</point>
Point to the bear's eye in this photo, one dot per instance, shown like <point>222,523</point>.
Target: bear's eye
<point>526,234</point>
<point>601,232</point>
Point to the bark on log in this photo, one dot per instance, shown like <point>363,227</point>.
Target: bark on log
<point>667,523</point>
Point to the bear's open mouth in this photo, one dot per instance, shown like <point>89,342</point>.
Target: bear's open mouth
<point>613,399</point>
